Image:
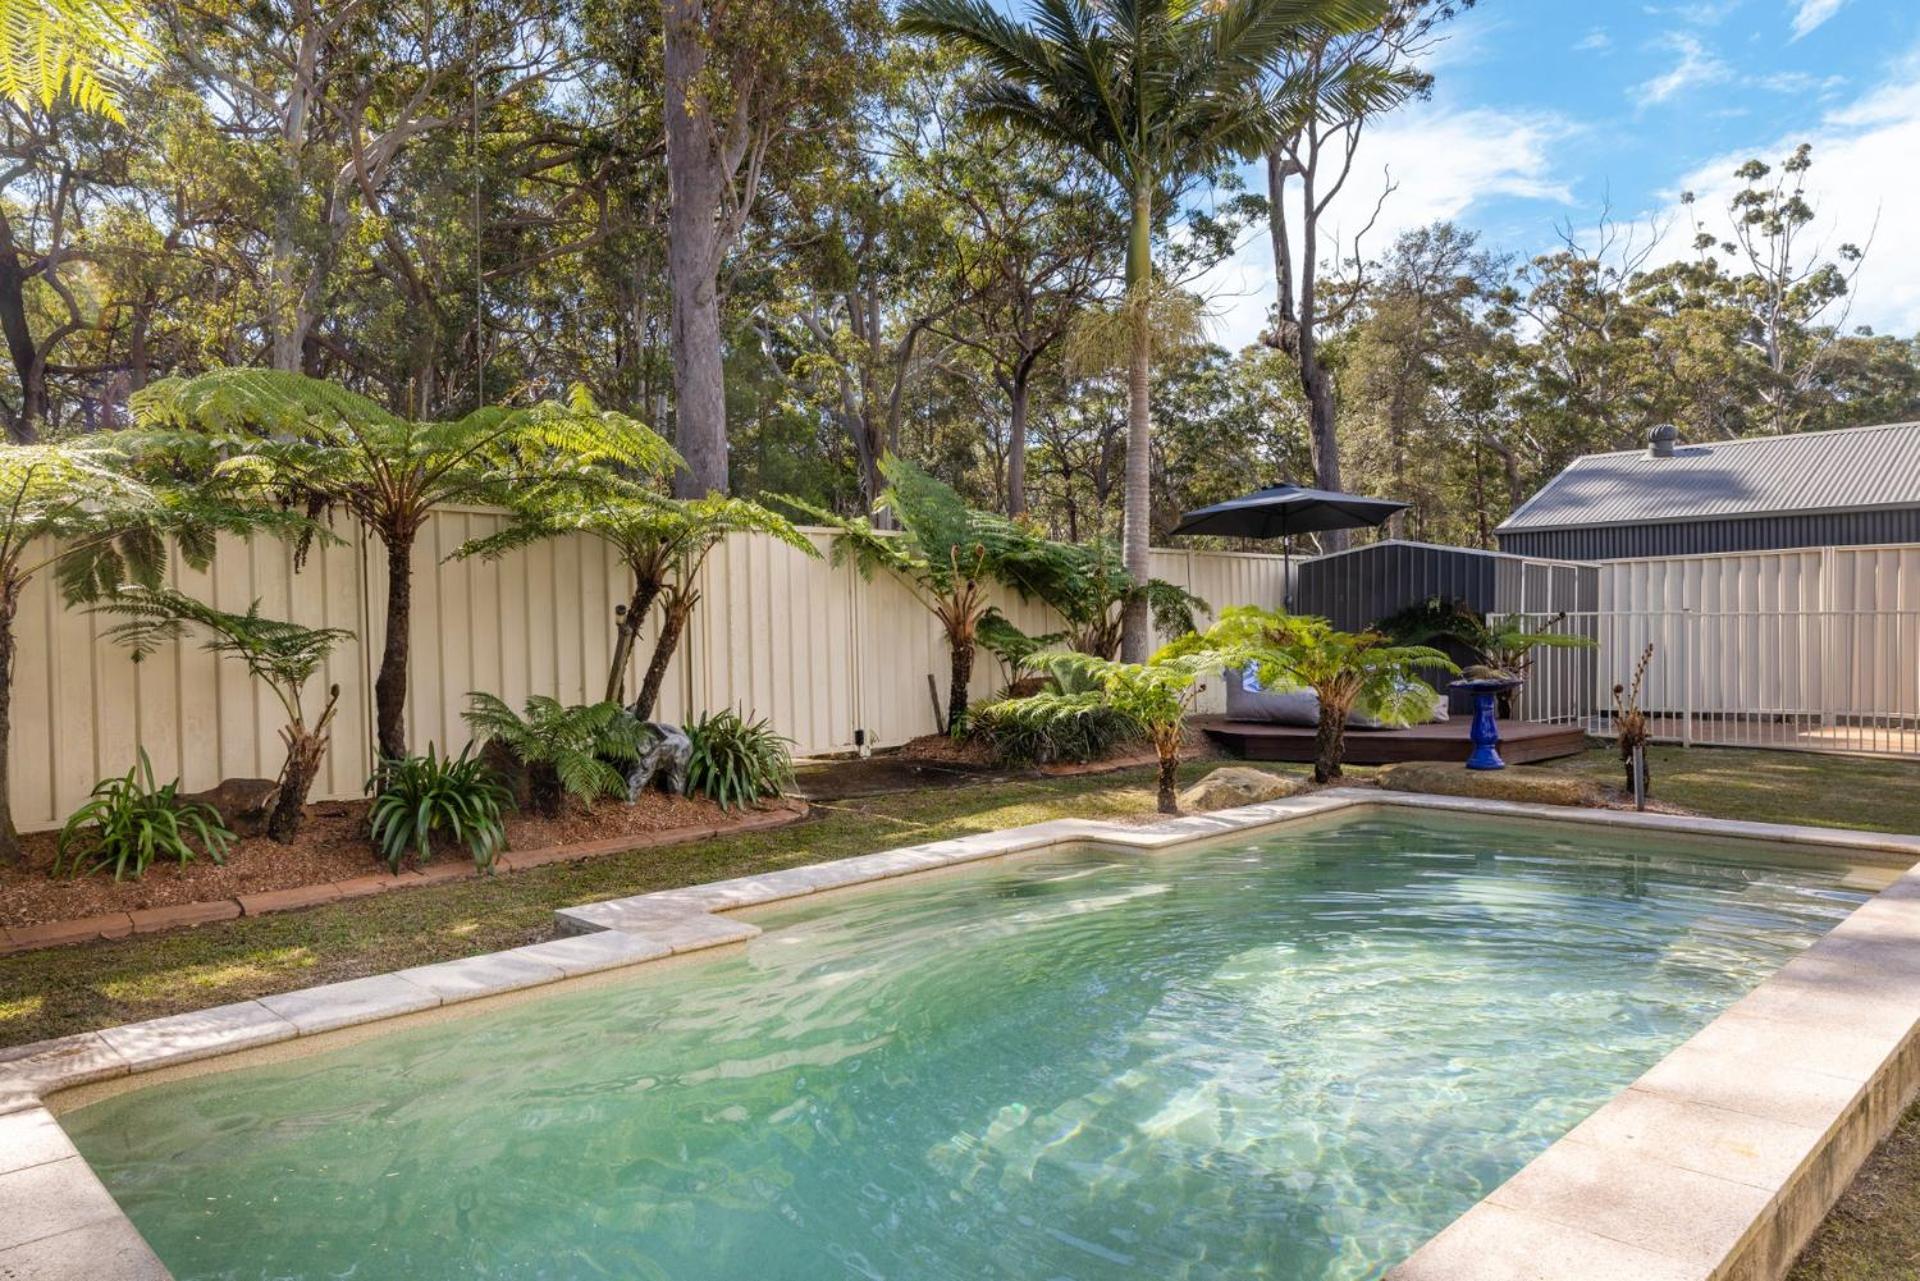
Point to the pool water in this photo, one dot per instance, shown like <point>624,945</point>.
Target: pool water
<point>1290,1058</point>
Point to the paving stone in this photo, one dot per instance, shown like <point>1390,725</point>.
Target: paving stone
<point>1492,1243</point>
<point>1757,1087</point>
<point>477,976</point>
<point>1627,1198</point>
<point>53,1197</point>
<point>1832,1045</point>
<point>336,1005</point>
<point>153,919</point>
<point>181,1038</point>
<point>591,953</point>
<point>1757,1151</point>
<point>31,1136</point>
<point>111,1250</point>
<point>27,1072</point>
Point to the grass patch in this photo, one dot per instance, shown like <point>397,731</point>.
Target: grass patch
<point>1772,787</point>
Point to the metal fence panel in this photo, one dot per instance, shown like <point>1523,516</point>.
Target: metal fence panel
<point>812,646</point>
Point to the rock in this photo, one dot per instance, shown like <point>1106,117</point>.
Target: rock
<point>513,775</point>
<point>243,804</point>
<point>664,764</point>
<point>1515,783</point>
<point>1233,785</point>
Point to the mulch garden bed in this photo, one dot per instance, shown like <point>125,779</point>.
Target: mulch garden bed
<point>332,858</point>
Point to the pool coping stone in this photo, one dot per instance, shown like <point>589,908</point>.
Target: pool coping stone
<point>1765,1152</point>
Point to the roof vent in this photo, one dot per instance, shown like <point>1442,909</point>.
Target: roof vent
<point>1661,439</point>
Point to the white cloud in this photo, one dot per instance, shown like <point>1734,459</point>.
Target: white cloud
<point>1863,174</point>
<point>1801,83</point>
<point>1696,66</point>
<point>1808,14</point>
<point>1595,41</point>
<point>1442,160</point>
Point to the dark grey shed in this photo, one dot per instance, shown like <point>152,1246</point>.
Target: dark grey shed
<point>1362,585</point>
<point>1358,587</point>
<point>1844,488</point>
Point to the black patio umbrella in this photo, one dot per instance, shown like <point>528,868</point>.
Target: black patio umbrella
<point>1286,510</point>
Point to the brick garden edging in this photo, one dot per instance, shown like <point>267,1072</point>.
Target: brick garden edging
<point>153,920</point>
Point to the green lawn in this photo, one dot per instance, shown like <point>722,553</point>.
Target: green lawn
<point>1873,1236</point>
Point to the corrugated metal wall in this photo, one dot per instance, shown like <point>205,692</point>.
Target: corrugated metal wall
<point>1357,588</point>
<point>810,646</point>
<point>1708,537</point>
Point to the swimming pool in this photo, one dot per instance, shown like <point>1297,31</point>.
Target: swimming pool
<point>1292,1055</point>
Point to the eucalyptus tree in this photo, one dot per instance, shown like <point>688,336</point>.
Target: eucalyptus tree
<point>664,543</point>
<point>1156,92</point>
<point>1308,166</point>
<point>78,510</point>
<point>279,654</point>
<point>269,432</point>
<point>746,84</point>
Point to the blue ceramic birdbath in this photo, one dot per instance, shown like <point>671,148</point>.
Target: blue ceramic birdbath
<point>1485,733</point>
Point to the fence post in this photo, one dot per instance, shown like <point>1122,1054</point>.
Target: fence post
<point>1688,647</point>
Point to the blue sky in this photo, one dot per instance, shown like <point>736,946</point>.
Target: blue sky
<point>1545,111</point>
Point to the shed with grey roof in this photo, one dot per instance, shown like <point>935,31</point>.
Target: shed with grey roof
<point>1852,487</point>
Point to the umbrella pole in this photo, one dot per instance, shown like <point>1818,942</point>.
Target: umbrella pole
<point>1286,574</point>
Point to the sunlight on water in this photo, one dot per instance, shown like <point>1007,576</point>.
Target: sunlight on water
<point>1289,1059</point>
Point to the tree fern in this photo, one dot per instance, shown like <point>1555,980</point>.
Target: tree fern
<point>567,751</point>
<point>83,513</point>
<point>75,48</point>
<point>281,655</point>
<point>316,445</point>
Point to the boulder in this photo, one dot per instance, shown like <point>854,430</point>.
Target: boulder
<point>663,764</point>
<point>1233,785</point>
<point>243,804</point>
<point>1515,783</point>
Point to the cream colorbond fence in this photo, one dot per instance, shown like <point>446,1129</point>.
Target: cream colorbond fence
<point>1815,649</point>
<point>814,648</point>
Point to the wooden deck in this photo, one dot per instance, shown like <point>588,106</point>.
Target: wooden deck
<point>1520,741</point>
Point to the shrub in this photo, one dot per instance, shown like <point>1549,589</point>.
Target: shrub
<point>419,797</point>
<point>567,751</point>
<point>1050,726</point>
<point>736,761</point>
<point>130,821</point>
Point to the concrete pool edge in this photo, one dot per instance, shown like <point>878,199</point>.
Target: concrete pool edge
<point>1602,1193</point>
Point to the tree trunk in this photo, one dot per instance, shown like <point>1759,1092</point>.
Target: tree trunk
<point>21,350</point>
<point>304,751</point>
<point>1169,772</point>
<point>693,256</point>
<point>1017,445</point>
<point>1329,743</point>
<point>626,634</point>
<point>1135,636</point>
<point>9,606</point>
<point>673,621</point>
<point>960,651</point>
<point>1293,331</point>
<point>390,686</point>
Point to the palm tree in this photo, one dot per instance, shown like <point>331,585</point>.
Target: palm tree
<point>75,48</point>
<point>1155,92</point>
<point>319,445</point>
<point>80,511</point>
<point>947,554</point>
<point>281,655</point>
<point>664,543</point>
